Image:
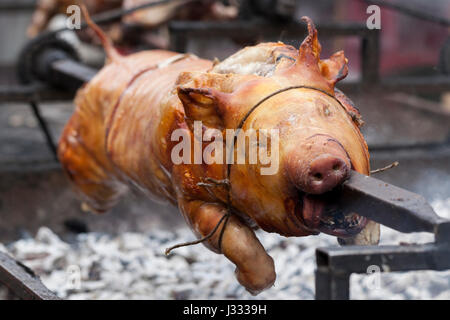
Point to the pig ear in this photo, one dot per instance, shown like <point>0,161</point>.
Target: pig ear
<point>310,48</point>
<point>201,104</point>
<point>312,71</point>
<point>335,68</point>
<point>307,71</point>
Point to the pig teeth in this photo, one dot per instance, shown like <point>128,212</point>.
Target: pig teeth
<point>328,221</point>
<point>353,220</point>
<point>336,218</point>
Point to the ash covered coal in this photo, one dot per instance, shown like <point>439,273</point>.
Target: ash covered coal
<point>133,266</point>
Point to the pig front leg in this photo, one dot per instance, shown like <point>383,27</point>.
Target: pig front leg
<point>255,269</point>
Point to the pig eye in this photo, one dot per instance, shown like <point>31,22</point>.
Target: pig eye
<point>326,110</point>
<point>323,108</point>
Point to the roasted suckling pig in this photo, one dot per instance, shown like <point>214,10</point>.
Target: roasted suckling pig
<point>132,117</point>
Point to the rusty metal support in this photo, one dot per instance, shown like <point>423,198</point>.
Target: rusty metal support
<point>22,281</point>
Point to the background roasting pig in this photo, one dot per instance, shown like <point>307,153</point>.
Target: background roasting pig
<point>47,9</point>
<point>120,135</point>
<point>151,18</point>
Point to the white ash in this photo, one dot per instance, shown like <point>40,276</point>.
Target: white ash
<point>133,266</point>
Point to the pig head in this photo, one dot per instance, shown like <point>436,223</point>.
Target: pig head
<point>319,138</point>
<point>319,142</point>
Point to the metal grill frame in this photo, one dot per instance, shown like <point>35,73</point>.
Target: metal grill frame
<point>334,265</point>
<point>22,281</point>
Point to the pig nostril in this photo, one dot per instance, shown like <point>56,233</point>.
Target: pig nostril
<point>326,172</point>
<point>317,176</point>
<point>318,171</point>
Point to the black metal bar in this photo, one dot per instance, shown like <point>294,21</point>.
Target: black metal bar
<point>42,92</point>
<point>410,84</point>
<point>182,30</point>
<point>116,14</point>
<point>424,106</point>
<point>426,148</point>
<point>17,5</point>
<point>442,234</point>
<point>336,264</point>
<point>22,281</point>
<point>34,92</point>
<point>331,286</point>
<point>45,129</point>
<point>370,58</point>
<point>56,69</point>
<point>389,205</point>
<point>416,84</point>
<point>435,84</point>
<point>71,74</point>
<point>230,28</point>
<point>178,42</point>
<point>357,259</point>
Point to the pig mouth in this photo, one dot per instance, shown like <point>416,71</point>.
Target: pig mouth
<point>322,213</point>
<point>342,225</point>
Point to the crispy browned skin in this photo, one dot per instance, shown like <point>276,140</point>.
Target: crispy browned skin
<point>120,134</point>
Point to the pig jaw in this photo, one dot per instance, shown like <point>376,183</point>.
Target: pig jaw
<point>318,166</point>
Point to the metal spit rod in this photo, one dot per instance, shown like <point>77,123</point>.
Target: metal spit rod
<point>392,206</point>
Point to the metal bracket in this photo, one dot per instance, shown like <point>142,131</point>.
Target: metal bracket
<point>335,265</point>
<point>22,281</point>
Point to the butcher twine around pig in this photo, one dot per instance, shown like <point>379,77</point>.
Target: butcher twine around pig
<point>120,135</point>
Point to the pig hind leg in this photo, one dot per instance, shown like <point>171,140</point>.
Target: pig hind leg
<point>82,155</point>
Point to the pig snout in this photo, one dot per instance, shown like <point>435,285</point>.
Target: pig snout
<point>319,167</point>
<point>325,172</point>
